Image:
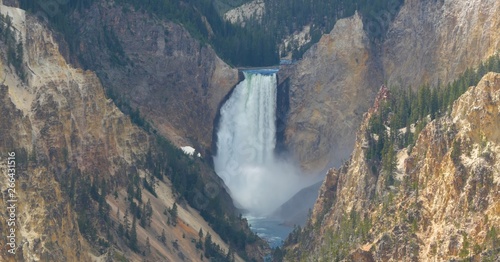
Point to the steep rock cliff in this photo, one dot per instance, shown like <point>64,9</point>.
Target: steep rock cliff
<point>442,206</point>
<point>427,42</point>
<point>68,138</point>
<point>329,90</point>
<point>174,80</point>
<point>60,118</point>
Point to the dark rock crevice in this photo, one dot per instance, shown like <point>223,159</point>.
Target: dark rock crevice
<point>282,110</point>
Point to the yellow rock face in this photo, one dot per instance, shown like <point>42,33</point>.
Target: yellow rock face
<point>435,41</point>
<point>439,208</point>
<point>61,126</point>
<point>428,42</point>
<point>329,95</point>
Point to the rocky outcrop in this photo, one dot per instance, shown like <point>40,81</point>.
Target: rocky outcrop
<point>174,80</point>
<point>443,204</point>
<point>428,42</point>
<point>329,90</point>
<point>252,10</point>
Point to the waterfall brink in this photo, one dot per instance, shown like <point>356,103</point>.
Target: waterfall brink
<point>257,180</point>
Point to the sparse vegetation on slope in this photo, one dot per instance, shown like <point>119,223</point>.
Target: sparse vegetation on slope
<point>14,45</point>
<point>284,17</point>
<point>257,43</point>
<point>86,159</point>
<point>405,113</point>
<point>375,207</point>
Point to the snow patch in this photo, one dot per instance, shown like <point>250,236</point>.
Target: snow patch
<point>189,151</point>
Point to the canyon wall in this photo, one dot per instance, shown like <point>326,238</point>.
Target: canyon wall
<point>443,204</point>
<point>77,155</point>
<point>427,42</point>
<point>435,41</point>
<point>329,91</point>
<point>176,81</point>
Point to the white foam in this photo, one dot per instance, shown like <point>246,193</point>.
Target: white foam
<point>257,180</point>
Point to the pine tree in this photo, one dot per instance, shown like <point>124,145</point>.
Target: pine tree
<point>434,103</point>
<point>138,194</point>
<point>163,238</point>
<point>153,183</point>
<point>148,246</point>
<point>389,157</point>
<point>173,213</point>
<point>199,244</point>
<point>126,221</point>
<point>142,220</point>
<point>133,236</point>
<point>93,189</point>
<point>148,212</point>
<point>208,245</point>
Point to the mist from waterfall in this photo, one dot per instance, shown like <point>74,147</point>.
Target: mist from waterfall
<point>258,181</point>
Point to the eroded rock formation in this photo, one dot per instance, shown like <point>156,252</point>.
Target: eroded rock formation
<point>442,206</point>
<point>428,42</point>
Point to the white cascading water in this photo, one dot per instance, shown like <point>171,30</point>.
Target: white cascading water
<point>258,182</point>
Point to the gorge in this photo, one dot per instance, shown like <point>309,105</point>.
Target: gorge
<point>99,97</point>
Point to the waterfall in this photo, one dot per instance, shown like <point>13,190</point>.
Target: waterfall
<point>258,182</point>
